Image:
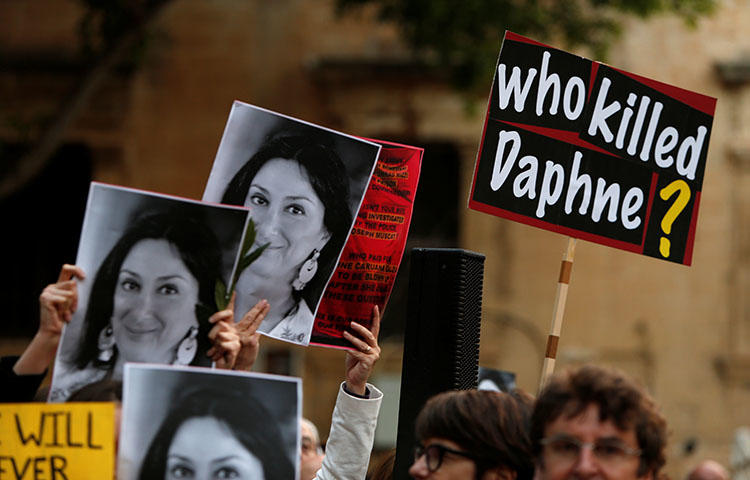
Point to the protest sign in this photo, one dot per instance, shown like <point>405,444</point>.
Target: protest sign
<point>304,185</point>
<point>152,263</point>
<point>367,269</point>
<point>57,442</point>
<point>190,420</point>
<point>584,149</point>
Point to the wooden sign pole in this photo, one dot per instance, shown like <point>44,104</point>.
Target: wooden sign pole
<point>566,267</point>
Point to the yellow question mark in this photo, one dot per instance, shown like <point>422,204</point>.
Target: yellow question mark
<point>666,223</point>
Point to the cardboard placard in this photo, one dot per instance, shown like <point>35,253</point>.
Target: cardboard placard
<point>369,263</point>
<point>57,441</point>
<point>290,174</point>
<point>580,148</point>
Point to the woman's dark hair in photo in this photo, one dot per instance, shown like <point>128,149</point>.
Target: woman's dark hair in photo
<point>328,178</point>
<point>102,391</point>
<point>491,426</point>
<point>199,250</point>
<point>249,421</point>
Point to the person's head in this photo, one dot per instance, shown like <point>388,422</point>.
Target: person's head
<point>298,194</point>
<point>709,470</point>
<point>311,456</point>
<point>593,421</point>
<point>383,470</point>
<point>474,434</point>
<point>153,291</point>
<point>217,433</point>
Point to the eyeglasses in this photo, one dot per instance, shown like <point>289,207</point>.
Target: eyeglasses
<point>434,454</point>
<point>608,451</point>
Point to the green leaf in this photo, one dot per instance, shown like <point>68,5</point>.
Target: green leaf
<point>220,295</point>
<point>250,258</point>
<point>249,238</point>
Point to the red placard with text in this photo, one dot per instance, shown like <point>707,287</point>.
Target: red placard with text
<point>369,262</point>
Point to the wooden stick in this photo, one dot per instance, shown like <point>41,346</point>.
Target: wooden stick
<point>566,268</point>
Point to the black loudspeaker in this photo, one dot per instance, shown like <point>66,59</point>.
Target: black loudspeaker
<point>441,338</point>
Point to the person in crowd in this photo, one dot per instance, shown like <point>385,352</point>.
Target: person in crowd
<point>311,456</point>
<point>383,470</point>
<point>298,194</point>
<point>474,434</point>
<point>709,470</point>
<point>594,422</point>
<point>151,300</point>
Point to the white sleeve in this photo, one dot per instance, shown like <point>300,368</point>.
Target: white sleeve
<point>352,435</point>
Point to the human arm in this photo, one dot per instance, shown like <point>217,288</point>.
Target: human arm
<point>57,304</point>
<point>354,416</point>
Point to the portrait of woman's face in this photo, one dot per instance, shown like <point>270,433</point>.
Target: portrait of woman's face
<point>154,302</point>
<point>288,215</point>
<point>204,448</point>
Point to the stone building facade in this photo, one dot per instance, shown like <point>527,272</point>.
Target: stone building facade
<point>683,331</point>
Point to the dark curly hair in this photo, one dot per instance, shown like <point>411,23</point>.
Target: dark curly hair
<point>619,400</point>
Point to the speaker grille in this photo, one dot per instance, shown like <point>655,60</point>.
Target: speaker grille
<point>441,341</point>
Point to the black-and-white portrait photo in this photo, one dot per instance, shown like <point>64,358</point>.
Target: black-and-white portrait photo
<point>304,185</point>
<point>196,423</point>
<point>151,264</point>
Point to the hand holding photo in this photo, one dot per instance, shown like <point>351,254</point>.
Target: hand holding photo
<point>156,261</point>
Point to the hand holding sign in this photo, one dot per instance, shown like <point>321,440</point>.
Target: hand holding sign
<point>57,304</point>
<point>59,301</point>
<point>224,338</point>
<point>360,362</point>
<point>249,335</point>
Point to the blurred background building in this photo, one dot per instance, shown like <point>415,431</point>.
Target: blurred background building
<point>155,123</point>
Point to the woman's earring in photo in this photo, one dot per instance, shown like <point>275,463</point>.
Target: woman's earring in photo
<point>106,344</point>
<point>187,348</point>
<point>307,271</point>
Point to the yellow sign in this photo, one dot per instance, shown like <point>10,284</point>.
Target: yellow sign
<point>57,441</point>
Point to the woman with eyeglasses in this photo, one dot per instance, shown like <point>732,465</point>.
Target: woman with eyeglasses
<point>474,435</point>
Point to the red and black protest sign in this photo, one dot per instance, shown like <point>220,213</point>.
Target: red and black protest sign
<point>580,148</point>
<point>369,262</point>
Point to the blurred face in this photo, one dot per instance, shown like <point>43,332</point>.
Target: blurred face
<point>205,449</point>
<point>154,303</point>
<point>583,447</point>
<point>311,456</point>
<point>437,463</point>
<point>288,215</point>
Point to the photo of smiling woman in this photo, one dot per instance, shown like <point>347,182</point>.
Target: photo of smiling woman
<point>185,423</point>
<point>152,294</point>
<point>303,185</point>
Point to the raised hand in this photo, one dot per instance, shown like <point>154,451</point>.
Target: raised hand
<point>59,301</point>
<point>360,361</point>
<point>57,304</point>
<point>225,341</point>
<point>249,335</point>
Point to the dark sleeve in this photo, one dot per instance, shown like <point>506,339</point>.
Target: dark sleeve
<point>17,388</point>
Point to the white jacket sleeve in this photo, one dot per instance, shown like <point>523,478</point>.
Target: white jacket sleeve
<point>352,435</point>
